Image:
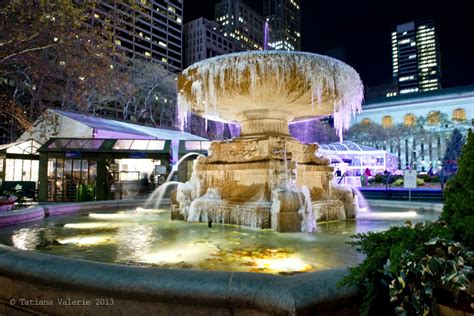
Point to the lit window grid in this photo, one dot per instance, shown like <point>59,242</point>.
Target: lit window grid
<point>425,41</point>
<point>153,22</point>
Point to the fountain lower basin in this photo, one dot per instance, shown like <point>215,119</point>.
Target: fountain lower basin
<point>113,289</point>
<point>146,237</point>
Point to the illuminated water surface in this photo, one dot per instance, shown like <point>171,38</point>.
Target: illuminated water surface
<point>148,238</point>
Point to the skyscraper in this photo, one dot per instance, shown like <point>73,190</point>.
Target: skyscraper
<point>203,39</point>
<point>284,18</point>
<point>415,56</point>
<point>150,29</point>
<point>241,23</point>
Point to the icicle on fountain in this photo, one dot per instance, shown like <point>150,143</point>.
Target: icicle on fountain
<point>265,178</point>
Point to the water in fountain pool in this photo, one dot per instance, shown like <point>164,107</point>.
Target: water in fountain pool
<point>155,199</point>
<point>148,238</point>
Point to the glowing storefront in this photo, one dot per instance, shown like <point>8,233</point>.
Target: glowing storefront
<point>19,165</point>
<point>355,159</point>
<point>100,169</point>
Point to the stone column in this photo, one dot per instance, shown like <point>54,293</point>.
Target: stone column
<point>265,122</point>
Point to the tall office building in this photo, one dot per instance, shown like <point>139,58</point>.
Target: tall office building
<point>284,18</point>
<point>151,29</point>
<point>415,56</point>
<point>241,23</point>
<point>203,39</point>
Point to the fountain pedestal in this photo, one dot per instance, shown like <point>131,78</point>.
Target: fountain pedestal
<point>245,182</point>
<point>265,122</point>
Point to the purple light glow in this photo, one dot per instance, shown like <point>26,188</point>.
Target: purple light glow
<point>266,33</point>
<point>101,134</point>
<point>313,131</point>
<point>234,130</point>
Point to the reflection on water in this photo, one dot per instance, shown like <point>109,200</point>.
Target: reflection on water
<point>26,239</point>
<point>149,238</point>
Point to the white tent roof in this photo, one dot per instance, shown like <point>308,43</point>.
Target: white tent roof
<point>119,127</point>
<point>26,147</point>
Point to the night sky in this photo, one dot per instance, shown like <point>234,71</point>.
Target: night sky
<point>362,29</point>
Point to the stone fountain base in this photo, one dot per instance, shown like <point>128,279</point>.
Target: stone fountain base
<point>251,214</point>
<point>262,182</point>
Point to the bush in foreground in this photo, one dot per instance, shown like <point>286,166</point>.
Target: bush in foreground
<point>404,265</point>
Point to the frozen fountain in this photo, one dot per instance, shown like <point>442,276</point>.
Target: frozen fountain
<point>265,178</point>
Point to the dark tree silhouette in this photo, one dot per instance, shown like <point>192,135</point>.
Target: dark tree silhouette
<point>453,150</point>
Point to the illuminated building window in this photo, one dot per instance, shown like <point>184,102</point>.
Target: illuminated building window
<point>387,121</point>
<point>433,118</point>
<point>365,121</point>
<point>409,119</point>
<point>406,78</point>
<point>408,90</point>
<point>459,115</point>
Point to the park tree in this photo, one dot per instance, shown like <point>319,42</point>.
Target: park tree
<point>61,54</point>
<point>453,150</point>
<point>371,134</point>
<point>151,96</point>
<point>51,57</point>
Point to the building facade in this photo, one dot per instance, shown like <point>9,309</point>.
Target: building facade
<point>241,23</point>
<point>418,127</point>
<point>151,29</point>
<point>284,18</point>
<point>203,39</point>
<point>381,91</point>
<point>416,57</point>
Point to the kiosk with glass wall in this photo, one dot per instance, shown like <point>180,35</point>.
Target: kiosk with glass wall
<point>100,169</point>
<point>19,165</point>
<point>353,160</point>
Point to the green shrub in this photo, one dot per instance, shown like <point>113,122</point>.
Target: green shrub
<point>378,178</point>
<point>426,177</point>
<point>442,263</point>
<point>398,182</point>
<point>458,208</point>
<point>371,277</point>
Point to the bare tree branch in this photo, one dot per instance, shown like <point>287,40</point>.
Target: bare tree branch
<point>28,50</point>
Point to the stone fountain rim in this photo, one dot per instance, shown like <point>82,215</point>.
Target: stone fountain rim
<point>339,82</point>
<point>280,53</point>
<point>274,294</point>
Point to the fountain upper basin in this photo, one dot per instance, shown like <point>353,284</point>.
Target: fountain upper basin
<point>288,85</point>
